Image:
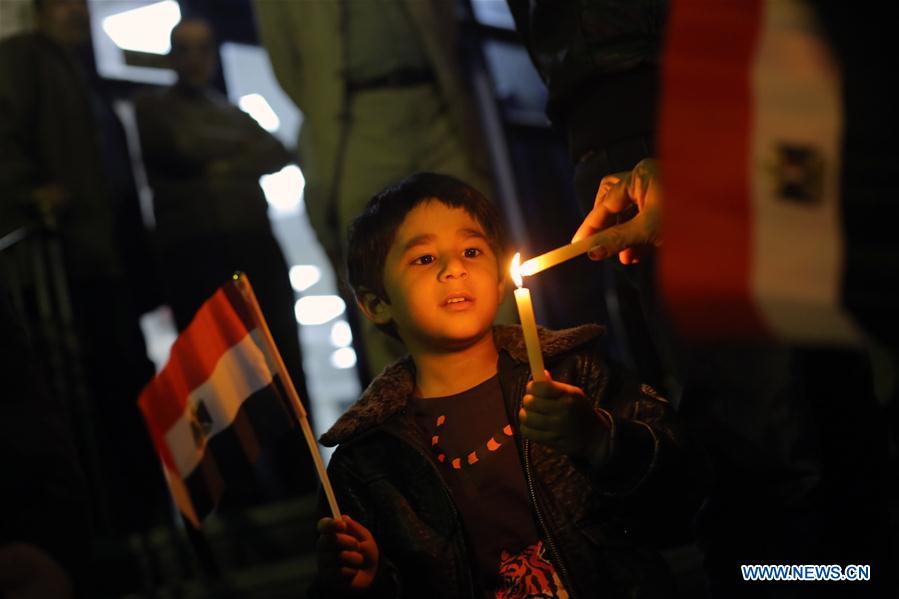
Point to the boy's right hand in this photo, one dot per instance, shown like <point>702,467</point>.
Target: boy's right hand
<point>347,554</point>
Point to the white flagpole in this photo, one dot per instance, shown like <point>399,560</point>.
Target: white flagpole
<point>243,284</point>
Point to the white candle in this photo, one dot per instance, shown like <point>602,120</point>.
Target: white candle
<point>559,255</point>
<point>528,323</point>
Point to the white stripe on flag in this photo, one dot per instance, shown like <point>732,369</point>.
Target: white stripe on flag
<point>797,261</point>
<point>240,372</point>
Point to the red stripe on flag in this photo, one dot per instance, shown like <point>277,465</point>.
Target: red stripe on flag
<point>706,122</point>
<point>239,304</point>
<point>221,322</point>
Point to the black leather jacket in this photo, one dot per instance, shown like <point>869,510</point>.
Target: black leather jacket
<point>600,528</point>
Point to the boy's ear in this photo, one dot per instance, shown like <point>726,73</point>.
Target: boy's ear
<point>374,308</point>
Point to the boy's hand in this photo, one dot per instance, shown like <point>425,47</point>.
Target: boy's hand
<point>347,554</point>
<point>559,415</point>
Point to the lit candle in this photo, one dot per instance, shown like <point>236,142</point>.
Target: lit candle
<point>528,322</point>
<point>559,255</point>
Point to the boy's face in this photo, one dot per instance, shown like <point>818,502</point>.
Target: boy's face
<point>442,280</point>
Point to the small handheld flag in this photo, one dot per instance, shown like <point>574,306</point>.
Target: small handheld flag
<point>221,397</point>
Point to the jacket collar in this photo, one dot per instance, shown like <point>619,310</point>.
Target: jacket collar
<point>388,393</point>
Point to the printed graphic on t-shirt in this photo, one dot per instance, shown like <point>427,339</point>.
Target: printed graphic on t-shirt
<point>528,575</point>
<point>474,445</point>
<point>470,458</point>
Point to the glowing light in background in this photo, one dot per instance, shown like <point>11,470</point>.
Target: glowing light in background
<point>144,29</point>
<point>343,358</point>
<point>318,309</point>
<point>284,189</point>
<point>341,335</point>
<point>304,276</point>
<point>257,107</point>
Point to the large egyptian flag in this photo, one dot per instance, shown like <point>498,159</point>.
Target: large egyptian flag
<point>773,143</point>
<point>216,403</point>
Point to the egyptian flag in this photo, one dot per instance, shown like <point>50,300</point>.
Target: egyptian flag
<point>775,154</point>
<point>216,403</point>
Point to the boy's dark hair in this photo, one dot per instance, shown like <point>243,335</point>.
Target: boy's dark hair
<point>371,234</point>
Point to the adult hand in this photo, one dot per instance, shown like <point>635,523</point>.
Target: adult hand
<point>560,416</point>
<point>640,188</point>
<point>347,555</point>
<point>27,572</point>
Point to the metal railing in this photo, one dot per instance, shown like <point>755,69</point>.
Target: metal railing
<point>31,264</point>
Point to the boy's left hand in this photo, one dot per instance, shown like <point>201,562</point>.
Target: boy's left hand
<point>559,415</point>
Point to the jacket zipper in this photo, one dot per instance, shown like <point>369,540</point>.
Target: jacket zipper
<point>554,553</point>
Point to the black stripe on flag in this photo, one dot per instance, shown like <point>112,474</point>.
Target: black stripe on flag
<point>230,455</point>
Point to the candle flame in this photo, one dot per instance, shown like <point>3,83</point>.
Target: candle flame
<point>514,270</point>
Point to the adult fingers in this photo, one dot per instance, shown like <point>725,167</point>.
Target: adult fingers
<point>607,183</point>
<point>620,237</point>
<point>602,213</point>
<point>640,189</point>
<point>634,255</point>
<point>615,199</point>
<point>621,195</point>
<point>645,183</point>
<point>597,219</point>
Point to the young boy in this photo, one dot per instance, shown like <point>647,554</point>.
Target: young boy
<point>456,475</point>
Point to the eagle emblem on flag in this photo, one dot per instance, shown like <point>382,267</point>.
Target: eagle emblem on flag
<point>799,173</point>
<point>200,422</point>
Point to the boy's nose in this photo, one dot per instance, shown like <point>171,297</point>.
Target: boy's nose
<point>453,268</point>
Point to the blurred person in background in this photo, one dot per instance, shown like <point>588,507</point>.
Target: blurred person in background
<point>204,157</point>
<point>382,96</point>
<point>66,170</point>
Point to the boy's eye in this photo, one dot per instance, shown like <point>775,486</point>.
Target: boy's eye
<point>472,252</point>
<point>426,259</point>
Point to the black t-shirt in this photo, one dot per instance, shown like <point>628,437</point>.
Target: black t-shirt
<point>472,441</point>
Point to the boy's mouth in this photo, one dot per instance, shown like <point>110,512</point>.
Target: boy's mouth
<point>457,299</point>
